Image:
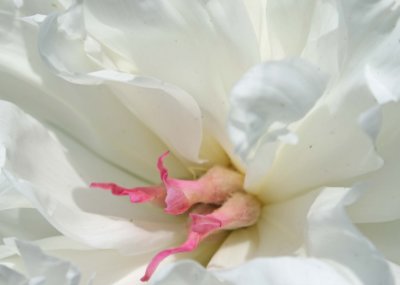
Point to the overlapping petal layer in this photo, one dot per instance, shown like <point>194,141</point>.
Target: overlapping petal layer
<point>37,166</point>
<point>87,114</point>
<point>354,42</point>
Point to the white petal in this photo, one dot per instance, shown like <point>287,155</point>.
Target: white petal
<point>135,31</point>
<point>277,271</point>
<point>396,272</point>
<point>380,189</point>
<point>363,24</point>
<point>9,198</point>
<point>53,270</point>
<point>287,39</point>
<point>332,236</point>
<point>333,147</point>
<point>279,232</point>
<point>38,168</point>
<point>92,115</point>
<point>257,12</point>
<point>11,277</point>
<point>385,236</point>
<point>26,224</point>
<point>169,111</point>
<point>264,102</point>
<point>205,45</point>
<point>324,38</point>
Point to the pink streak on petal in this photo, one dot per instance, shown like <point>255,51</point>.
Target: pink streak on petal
<point>191,243</point>
<point>136,195</point>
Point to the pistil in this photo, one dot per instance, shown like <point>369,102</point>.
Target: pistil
<point>217,202</point>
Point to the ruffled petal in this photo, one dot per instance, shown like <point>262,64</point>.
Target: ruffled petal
<point>268,98</point>
<point>332,236</point>
<point>285,270</point>
<point>289,38</point>
<point>100,266</point>
<point>205,45</point>
<point>265,102</point>
<point>25,224</point>
<point>9,276</point>
<point>38,168</point>
<point>52,270</point>
<point>385,236</point>
<point>133,37</point>
<point>88,114</point>
<point>381,189</point>
<point>332,148</point>
<point>164,108</point>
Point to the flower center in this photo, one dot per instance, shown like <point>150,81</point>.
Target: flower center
<point>215,202</point>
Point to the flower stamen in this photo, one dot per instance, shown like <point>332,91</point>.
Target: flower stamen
<point>217,198</point>
<point>240,210</point>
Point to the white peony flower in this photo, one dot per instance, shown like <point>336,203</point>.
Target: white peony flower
<point>297,98</point>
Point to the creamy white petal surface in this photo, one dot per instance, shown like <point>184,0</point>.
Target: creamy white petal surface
<point>97,266</point>
<point>40,268</point>
<point>37,166</point>
<point>264,102</point>
<point>308,91</point>
<point>27,82</point>
<point>276,271</point>
<point>210,76</point>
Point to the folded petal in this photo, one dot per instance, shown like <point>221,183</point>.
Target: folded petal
<point>164,108</point>
<point>385,236</point>
<point>265,102</point>
<point>381,189</point>
<point>271,93</point>
<point>338,146</point>
<point>88,114</point>
<point>134,33</point>
<point>205,45</point>
<point>332,236</point>
<point>9,276</point>
<point>284,270</point>
<point>38,168</point>
<point>25,223</point>
<point>50,269</point>
<point>288,39</point>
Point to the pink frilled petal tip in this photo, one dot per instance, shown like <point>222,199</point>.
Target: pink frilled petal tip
<point>136,195</point>
<point>176,201</point>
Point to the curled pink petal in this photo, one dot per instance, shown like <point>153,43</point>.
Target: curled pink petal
<point>136,195</point>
